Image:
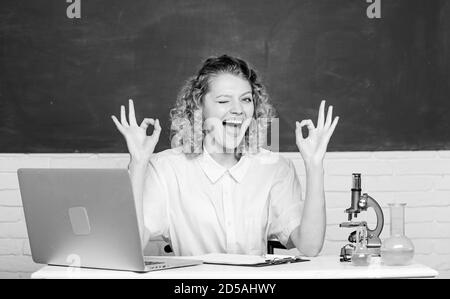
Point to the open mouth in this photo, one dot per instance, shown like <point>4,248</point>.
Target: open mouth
<point>232,123</point>
<point>232,127</point>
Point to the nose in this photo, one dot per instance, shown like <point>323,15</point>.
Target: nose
<point>237,108</point>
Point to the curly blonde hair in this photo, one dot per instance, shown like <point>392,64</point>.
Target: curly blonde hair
<point>187,117</point>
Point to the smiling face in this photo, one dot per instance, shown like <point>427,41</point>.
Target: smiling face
<point>227,109</point>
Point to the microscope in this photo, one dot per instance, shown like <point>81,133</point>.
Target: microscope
<point>361,203</point>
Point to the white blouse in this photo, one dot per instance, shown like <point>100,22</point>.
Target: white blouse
<point>201,207</point>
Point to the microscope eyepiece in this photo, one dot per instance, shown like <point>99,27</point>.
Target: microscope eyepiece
<point>356,181</point>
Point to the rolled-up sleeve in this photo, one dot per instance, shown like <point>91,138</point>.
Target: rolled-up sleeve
<point>286,203</point>
<point>155,202</point>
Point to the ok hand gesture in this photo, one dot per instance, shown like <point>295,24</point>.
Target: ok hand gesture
<point>139,145</point>
<point>314,147</point>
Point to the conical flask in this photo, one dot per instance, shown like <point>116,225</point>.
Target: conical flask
<point>397,250</point>
<point>361,254</point>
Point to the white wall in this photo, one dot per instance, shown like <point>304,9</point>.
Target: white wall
<point>421,179</point>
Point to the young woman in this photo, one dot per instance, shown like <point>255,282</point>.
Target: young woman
<point>217,189</point>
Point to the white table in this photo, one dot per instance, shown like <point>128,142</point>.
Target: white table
<point>318,267</point>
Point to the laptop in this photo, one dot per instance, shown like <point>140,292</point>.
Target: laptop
<point>86,218</point>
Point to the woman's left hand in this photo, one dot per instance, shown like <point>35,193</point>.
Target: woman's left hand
<point>314,147</point>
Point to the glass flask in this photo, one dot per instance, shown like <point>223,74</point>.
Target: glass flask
<point>397,250</point>
<point>361,255</point>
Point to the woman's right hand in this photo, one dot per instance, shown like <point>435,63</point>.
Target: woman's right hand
<point>139,145</point>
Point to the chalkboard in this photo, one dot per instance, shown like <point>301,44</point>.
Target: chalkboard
<point>62,78</point>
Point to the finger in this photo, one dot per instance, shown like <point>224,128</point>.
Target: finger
<point>146,122</point>
<point>131,114</point>
<point>329,117</point>
<point>308,123</point>
<point>333,126</point>
<point>123,118</point>
<point>298,133</point>
<point>156,130</point>
<point>321,117</point>
<point>118,125</point>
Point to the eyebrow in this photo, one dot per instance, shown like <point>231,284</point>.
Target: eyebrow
<point>229,96</point>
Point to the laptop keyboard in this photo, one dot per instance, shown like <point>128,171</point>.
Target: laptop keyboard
<point>152,263</point>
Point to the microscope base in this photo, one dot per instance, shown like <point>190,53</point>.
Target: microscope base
<point>347,251</point>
